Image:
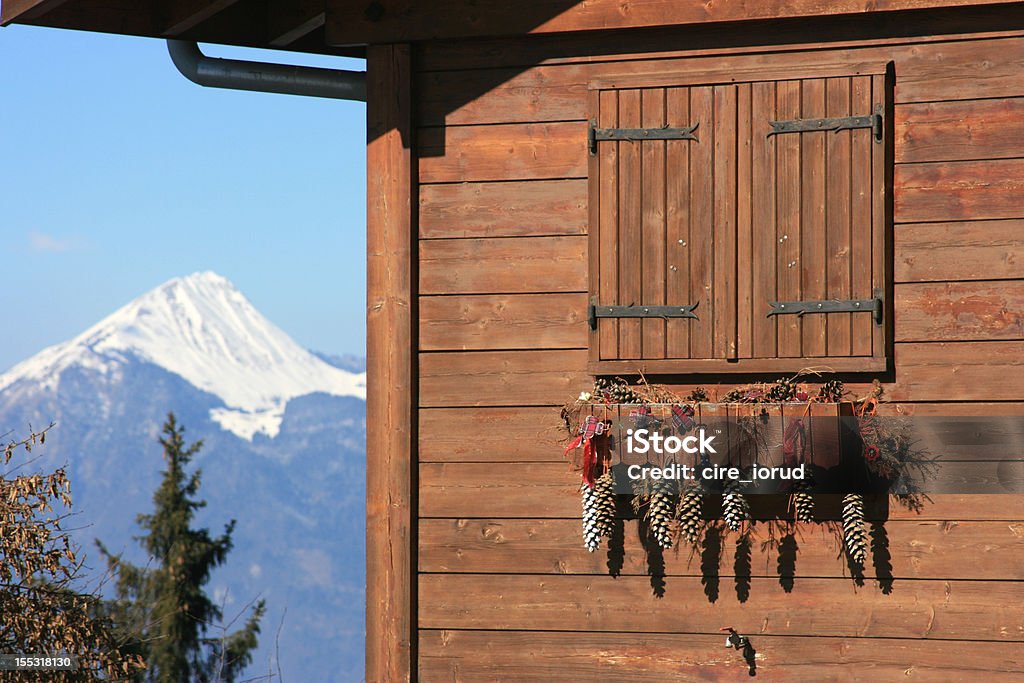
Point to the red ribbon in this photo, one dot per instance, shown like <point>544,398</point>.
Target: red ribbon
<point>590,427</point>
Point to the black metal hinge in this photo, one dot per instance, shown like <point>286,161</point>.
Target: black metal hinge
<point>639,312</point>
<point>620,134</point>
<point>835,124</point>
<point>828,306</point>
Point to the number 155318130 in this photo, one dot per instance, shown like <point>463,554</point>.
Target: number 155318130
<point>38,663</point>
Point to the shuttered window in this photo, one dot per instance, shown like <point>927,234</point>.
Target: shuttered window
<point>715,204</point>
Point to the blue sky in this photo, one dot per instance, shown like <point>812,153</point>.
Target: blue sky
<point>117,174</point>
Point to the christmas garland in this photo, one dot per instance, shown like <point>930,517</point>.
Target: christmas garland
<point>682,512</point>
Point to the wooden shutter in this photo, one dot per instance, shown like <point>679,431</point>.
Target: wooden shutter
<point>737,219</point>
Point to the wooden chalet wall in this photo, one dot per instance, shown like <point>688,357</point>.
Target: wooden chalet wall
<point>505,588</point>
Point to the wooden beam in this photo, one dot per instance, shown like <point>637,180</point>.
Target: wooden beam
<point>457,655</point>
<point>391,392</point>
<point>409,20</point>
<point>185,15</point>
<point>288,22</point>
<point>25,10</point>
<point>968,610</point>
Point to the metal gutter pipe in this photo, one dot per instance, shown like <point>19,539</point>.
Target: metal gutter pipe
<point>285,79</point>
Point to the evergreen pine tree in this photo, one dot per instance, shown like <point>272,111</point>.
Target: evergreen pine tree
<point>163,605</point>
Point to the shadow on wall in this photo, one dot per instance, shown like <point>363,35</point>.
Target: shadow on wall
<point>769,539</point>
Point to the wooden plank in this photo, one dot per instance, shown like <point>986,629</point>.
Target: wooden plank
<point>837,218</point>
<point>504,152</point>
<point>957,191</point>
<point>469,96</point>
<point>886,34</point>
<point>788,218</point>
<point>605,242</point>
<point>289,22</point>
<point>862,191</point>
<point>26,10</point>
<point>553,656</point>
<point>549,93</point>
<point>184,15</point>
<point>723,288</point>
<point>813,259</point>
<point>630,263</point>
<point>764,247</point>
<point>109,16</point>
<point>503,265</point>
<point>553,92</point>
<point>960,71</point>
<point>511,378</point>
<point>390,396</point>
<point>491,435</point>
<point>677,223</point>
<point>960,311</point>
<point>962,371</point>
<point>539,490</point>
<point>952,431</point>
<point>881,219</point>
<point>700,246</point>
<point>745,306</point>
<point>960,131</point>
<point>916,609</point>
<point>918,550</point>
<point>517,321</point>
<point>411,21</point>
<point>979,250</point>
<point>652,223</point>
<point>514,209</point>
<point>717,366</point>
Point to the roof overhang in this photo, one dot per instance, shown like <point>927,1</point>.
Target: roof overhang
<point>335,26</point>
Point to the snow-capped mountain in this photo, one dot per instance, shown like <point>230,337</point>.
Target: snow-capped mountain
<point>204,330</point>
<point>284,434</point>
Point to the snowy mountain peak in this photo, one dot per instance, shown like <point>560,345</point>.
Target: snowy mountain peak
<point>203,329</point>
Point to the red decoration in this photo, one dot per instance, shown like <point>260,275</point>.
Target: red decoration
<point>590,428</point>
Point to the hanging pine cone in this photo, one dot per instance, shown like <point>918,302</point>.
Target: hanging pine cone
<point>802,503</point>
<point>699,395</point>
<point>783,390</point>
<point>832,391</point>
<point>854,533</point>
<point>598,511</point>
<point>659,513</point>
<point>735,508</point>
<point>689,515</point>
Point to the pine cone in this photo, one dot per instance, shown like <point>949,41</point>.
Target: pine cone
<point>699,395</point>
<point>733,396</point>
<point>688,514</point>
<point>659,513</point>
<point>735,508</point>
<point>783,390</point>
<point>598,511</point>
<point>854,532</point>
<point>802,503</point>
<point>832,391</point>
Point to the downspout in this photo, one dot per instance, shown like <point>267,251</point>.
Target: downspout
<point>285,79</point>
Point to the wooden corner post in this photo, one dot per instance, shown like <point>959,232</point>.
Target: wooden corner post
<point>390,367</point>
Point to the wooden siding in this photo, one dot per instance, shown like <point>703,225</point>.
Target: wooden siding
<point>608,656</point>
<point>506,590</point>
